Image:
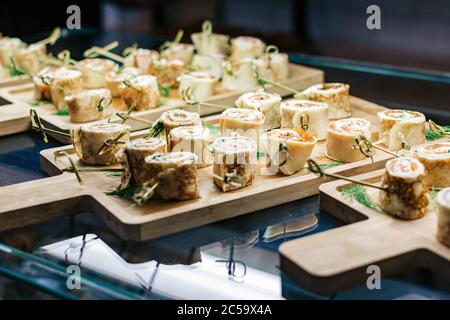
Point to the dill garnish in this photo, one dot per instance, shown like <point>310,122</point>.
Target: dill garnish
<point>61,112</point>
<point>156,129</point>
<point>359,194</point>
<point>431,135</point>
<point>126,193</point>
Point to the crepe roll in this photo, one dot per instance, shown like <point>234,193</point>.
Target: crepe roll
<point>65,82</point>
<point>114,80</point>
<point>136,151</point>
<point>234,162</point>
<point>209,63</point>
<point>406,196</point>
<point>101,143</point>
<point>246,47</point>
<point>8,49</point>
<point>169,72</point>
<point>144,59</point>
<point>267,103</point>
<point>202,83</point>
<point>177,118</point>
<point>443,229</point>
<point>179,51</point>
<point>244,122</point>
<point>341,143</point>
<point>336,95</point>
<point>305,114</point>
<point>279,64</point>
<point>195,139</point>
<point>436,159</point>
<point>95,70</point>
<point>90,105</point>
<point>175,173</point>
<point>400,127</point>
<point>42,84</point>
<point>207,43</point>
<point>288,149</point>
<point>31,58</point>
<point>238,76</point>
<point>141,92</point>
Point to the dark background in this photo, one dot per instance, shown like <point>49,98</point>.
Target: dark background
<point>414,34</point>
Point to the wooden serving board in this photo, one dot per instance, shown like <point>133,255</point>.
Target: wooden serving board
<point>300,78</point>
<point>60,195</point>
<point>336,260</point>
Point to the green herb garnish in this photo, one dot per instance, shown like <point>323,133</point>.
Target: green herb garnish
<point>61,112</point>
<point>156,129</point>
<point>165,91</point>
<point>115,174</point>
<point>431,135</point>
<point>39,103</point>
<point>359,194</point>
<point>126,193</point>
<point>212,128</point>
<point>331,164</point>
<point>260,154</point>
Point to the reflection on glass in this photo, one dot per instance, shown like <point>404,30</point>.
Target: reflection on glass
<point>292,228</point>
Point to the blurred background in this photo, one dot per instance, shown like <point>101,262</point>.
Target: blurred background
<point>414,34</point>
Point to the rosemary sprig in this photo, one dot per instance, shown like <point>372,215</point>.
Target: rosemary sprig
<point>61,112</point>
<point>359,194</point>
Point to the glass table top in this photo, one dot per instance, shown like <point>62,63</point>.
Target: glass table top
<point>232,259</point>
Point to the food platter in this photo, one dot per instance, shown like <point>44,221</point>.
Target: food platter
<point>62,195</point>
<point>339,259</point>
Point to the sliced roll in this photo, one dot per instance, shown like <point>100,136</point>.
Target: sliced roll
<point>210,43</point>
<point>141,92</point>
<point>243,122</point>
<point>175,173</point>
<point>202,83</point>
<point>170,71</point>
<point>407,193</point>
<point>31,58</point>
<point>209,63</point>
<point>136,151</point>
<point>194,139</point>
<point>42,84</point>
<point>179,51</point>
<point>287,149</point>
<point>246,47</point>
<point>234,162</point>
<point>267,103</point>
<point>89,105</point>
<point>101,143</point>
<point>8,49</point>
<point>144,59</point>
<point>341,143</point>
<point>443,228</point>
<point>114,80</point>
<point>238,76</point>
<point>336,95</point>
<point>177,118</point>
<point>65,82</point>
<point>310,115</point>
<point>398,127</point>
<point>436,159</point>
<point>95,70</point>
<point>279,65</point>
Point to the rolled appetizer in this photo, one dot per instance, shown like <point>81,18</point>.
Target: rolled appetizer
<point>177,118</point>
<point>89,105</point>
<point>194,139</point>
<point>279,64</point>
<point>207,42</point>
<point>311,116</point>
<point>65,82</point>
<point>144,59</point>
<point>443,229</point>
<point>202,83</point>
<point>136,151</point>
<point>267,103</point>
<point>246,47</point>
<point>95,70</point>
<point>209,63</point>
<point>101,143</point>
<point>141,92</point>
<point>436,159</point>
<point>42,84</point>
<point>401,127</point>
<point>288,149</point>
<point>8,49</point>
<point>31,58</point>
<point>175,173</point>
<point>114,80</point>
<point>169,72</point>
<point>179,51</point>
<point>336,95</point>
<point>341,139</point>
<point>238,75</point>
<point>234,162</point>
<point>406,196</point>
<point>244,122</point>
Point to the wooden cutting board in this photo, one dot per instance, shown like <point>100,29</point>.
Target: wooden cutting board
<point>22,96</point>
<point>40,200</point>
<point>336,260</point>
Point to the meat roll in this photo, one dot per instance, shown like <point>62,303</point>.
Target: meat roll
<point>246,47</point>
<point>209,63</point>
<point>202,83</point>
<point>194,139</point>
<point>443,228</point>
<point>179,51</point>
<point>31,58</point>
<point>89,105</point>
<point>95,70</point>
<point>42,84</point>
<point>143,59</point>
<point>141,92</point>
<point>65,82</point>
<point>114,80</point>
<point>436,159</point>
<point>244,122</point>
<point>170,71</point>
<point>176,118</point>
